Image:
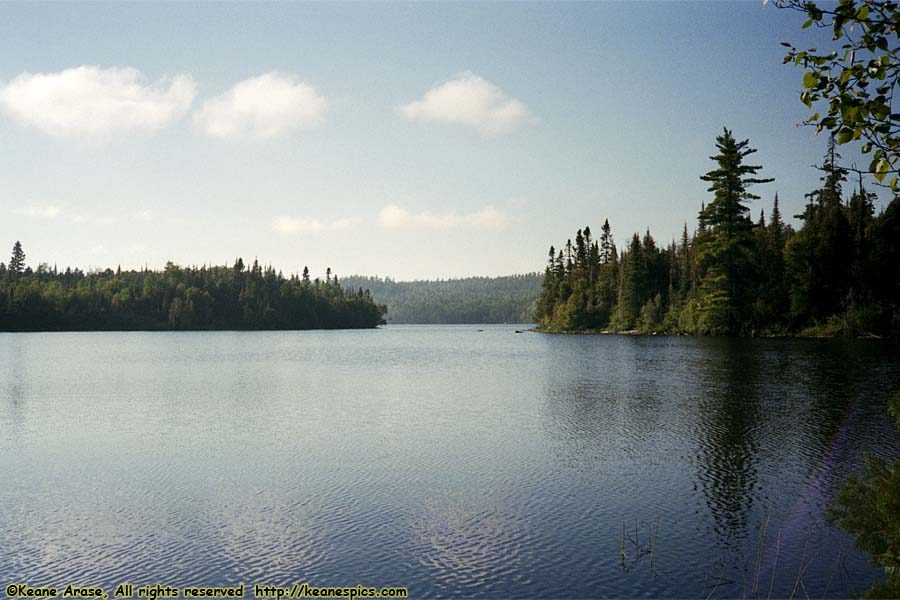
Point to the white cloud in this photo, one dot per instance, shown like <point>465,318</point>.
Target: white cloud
<point>91,219</point>
<point>487,218</point>
<point>95,103</point>
<point>395,217</point>
<point>470,100</point>
<point>143,215</point>
<point>261,107</point>
<point>36,211</point>
<point>292,225</point>
<point>39,212</point>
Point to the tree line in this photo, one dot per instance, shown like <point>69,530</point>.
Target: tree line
<point>177,298</point>
<point>838,274</point>
<point>509,299</point>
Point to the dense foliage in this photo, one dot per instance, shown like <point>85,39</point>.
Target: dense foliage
<point>852,89</point>
<point>868,506</point>
<point>838,274</point>
<point>470,300</point>
<point>176,298</point>
<point>851,85</point>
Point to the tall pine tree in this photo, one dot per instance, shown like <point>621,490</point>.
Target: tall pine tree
<point>725,251</point>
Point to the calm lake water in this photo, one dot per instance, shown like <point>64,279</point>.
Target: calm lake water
<point>451,461</point>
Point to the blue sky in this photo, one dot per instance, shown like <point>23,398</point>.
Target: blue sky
<point>409,140</point>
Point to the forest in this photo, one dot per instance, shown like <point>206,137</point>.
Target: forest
<point>177,298</point>
<point>838,274</point>
<point>509,299</point>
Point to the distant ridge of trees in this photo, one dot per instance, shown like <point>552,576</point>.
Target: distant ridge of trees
<point>839,274</point>
<point>177,298</point>
<point>477,300</point>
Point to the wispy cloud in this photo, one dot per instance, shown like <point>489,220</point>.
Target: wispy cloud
<point>261,107</point>
<point>94,103</point>
<point>91,219</point>
<point>470,100</point>
<point>37,211</point>
<point>396,217</point>
<point>294,225</point>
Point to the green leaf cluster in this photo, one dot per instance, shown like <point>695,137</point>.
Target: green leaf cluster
<point>851,85</point>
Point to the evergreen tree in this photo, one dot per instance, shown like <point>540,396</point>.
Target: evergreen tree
<point>580,254</point>
<point>772,302</point>
<point>687,271</point>
<point>547,301</point>
<point>885,261</point>
<point>725,251</point>
<point>861,220</point>
<point>607,246</point>
<point>629,301</point>
<point>651,315</point>
<point>776,226</point>
<point>17,260</point>
<point>819,256</point>
<point>655,270</point>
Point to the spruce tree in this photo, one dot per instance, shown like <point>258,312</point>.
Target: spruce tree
<point>827,197</point>
<point>655,271</point>
<point>776,226</point>
<point>607,247</point>
<point>686,267</point>
<point>580,254</point>
<point>774,268</point>
<point>17,261</point>
<point>629,302</point>
<point>547,301</point>
<point>819,257</point>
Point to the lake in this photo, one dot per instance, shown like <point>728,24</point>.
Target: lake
<point>452,461</point>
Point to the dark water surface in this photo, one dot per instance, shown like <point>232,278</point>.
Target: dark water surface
<point>450,461</point>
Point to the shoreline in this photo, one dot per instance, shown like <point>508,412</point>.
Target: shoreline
<point>637,332</point>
